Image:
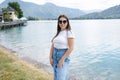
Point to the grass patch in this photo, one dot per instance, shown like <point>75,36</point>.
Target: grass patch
<point>12,68</point>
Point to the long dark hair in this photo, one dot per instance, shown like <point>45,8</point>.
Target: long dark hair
<point>58,27</point>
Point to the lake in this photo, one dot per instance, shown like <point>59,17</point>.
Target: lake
<point>96,54</point>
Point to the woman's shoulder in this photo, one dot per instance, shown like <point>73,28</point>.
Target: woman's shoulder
<point>70,33</point>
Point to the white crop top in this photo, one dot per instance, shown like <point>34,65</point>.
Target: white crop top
<point>61,41</point>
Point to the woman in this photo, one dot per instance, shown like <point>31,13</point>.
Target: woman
<point>62,45</point>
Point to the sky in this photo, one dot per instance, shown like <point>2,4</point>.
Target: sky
<point>79,4</point>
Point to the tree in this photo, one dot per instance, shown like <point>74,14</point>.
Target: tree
<point>16,6</point>
<point>6,15</point>
<point>32,18</point>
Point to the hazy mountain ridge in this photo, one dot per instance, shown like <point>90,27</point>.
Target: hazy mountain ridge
<point>110,13</point>
<point>45,11</point>
<point>52,11</point>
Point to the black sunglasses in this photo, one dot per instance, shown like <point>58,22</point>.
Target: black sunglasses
<point>64,21</point>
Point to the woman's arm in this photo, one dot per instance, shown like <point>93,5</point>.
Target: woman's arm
<point>71,46</point>
<point>51,54</point>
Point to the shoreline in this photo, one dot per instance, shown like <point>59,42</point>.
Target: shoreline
<point>26,63</point>
<point>38,64</point>
<point>29,60</point>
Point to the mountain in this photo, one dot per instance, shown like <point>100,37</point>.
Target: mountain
<point>110,13</point>
<point>45,11</point>
<point>91,11</point>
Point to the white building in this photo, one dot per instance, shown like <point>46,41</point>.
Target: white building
<point>1,15</point>
<point>11,11</point>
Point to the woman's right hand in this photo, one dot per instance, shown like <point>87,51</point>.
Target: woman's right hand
<point>51,61</point>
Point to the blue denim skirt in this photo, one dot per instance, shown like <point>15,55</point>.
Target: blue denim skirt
<point>62,72</point>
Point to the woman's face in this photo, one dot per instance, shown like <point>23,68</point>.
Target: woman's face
<point>63,23</point>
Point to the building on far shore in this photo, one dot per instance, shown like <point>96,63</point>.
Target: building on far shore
<point>11,11</point>
<point>1,15</point>
<point>8,18</point>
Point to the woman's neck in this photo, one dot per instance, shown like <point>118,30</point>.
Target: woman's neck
<point>63,29</point>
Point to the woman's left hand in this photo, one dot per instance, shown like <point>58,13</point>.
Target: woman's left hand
<point>61,62</point>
